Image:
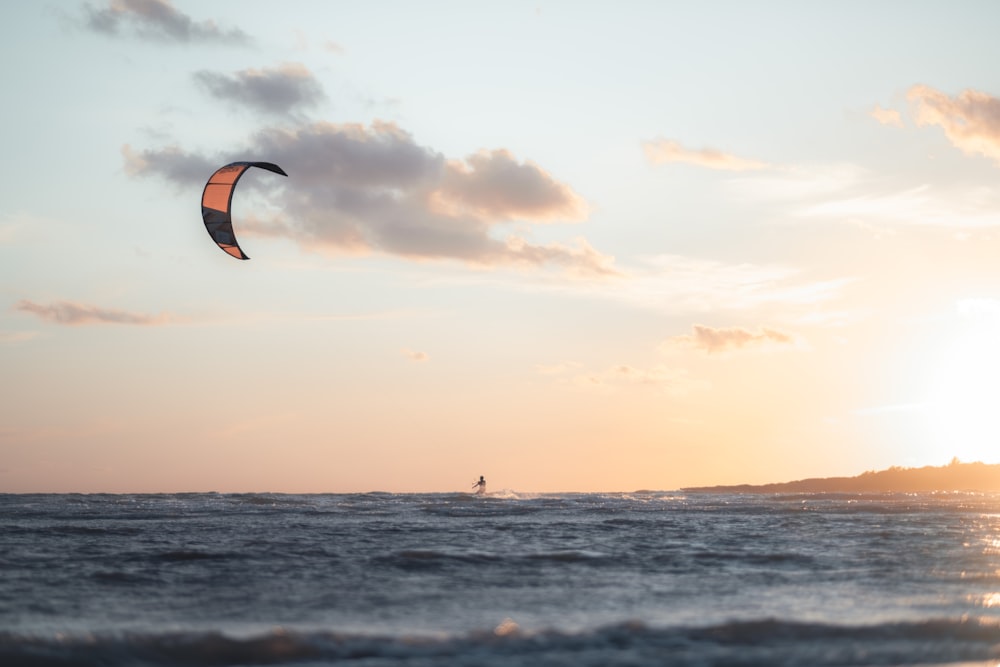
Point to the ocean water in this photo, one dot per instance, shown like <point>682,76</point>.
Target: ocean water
<point>509,579</point>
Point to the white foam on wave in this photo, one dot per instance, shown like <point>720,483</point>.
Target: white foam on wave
<point>957,642</point>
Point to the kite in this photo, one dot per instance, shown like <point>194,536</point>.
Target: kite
<point>217,199</point>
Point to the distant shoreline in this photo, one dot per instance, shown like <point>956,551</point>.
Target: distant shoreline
<point>953,477</point>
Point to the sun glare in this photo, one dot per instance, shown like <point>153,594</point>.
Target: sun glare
<point>964,397</point>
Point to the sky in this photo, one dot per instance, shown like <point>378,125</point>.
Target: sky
<point>568,246</point>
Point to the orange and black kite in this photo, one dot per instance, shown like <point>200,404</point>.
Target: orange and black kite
<point>217,199</point>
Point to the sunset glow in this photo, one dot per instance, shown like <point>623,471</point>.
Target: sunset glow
<point>962,405</point>
<point>567,246</point>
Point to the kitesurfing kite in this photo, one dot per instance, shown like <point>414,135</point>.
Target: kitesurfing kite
<point>217,199</point>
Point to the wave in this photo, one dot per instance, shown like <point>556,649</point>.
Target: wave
<point>188,555</point>
<point>769,642</point>
<point>432,559</point>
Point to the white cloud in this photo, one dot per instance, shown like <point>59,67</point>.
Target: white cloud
<point>852,194</point>
<point>979,309</point>
<point>792,184</point>
<point>699,285</point>
<point>920,205</point>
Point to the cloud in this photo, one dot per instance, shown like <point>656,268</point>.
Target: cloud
<point>672,381</point>
<point>964,207</point>
<point>971,121</point>
<point>11,337</point>
<point>360,189</point>
<point>810,182</point>
<point>9,232</point>
<point>981,309</point>
<point>659,151</point>
<point>72,314</point>
<point>686,284</point>
<point>657,375</point>
<point>559,368</point>
<point>415,356</point>
<point>280,91</point>
<point>171,163</point>
<point>713,340</point>
<point>158,19</point>
<point>852,194</point>
<point>879,410</point>
<point>492,184</point>
<point>331,46</point>
<point>302,42</point>
<point>887,116</point>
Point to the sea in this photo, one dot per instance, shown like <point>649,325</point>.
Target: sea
<point>507,579</point>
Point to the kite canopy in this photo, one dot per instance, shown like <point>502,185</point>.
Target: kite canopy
<point>217,199</point>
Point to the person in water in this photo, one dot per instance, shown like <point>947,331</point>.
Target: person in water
<point>480,486</point>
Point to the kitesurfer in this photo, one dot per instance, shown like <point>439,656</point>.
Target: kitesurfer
<point>480,486</point>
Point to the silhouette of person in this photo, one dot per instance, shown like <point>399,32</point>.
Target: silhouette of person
<point>480,486</point>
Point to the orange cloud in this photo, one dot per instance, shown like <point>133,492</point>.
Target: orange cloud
<point>887,116</point>
<point>73,314</point>
<point>712,340</point>
<point>492,185</point>
<point>413,355</point>
<point>659,151</point>
<point>971,120</point>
